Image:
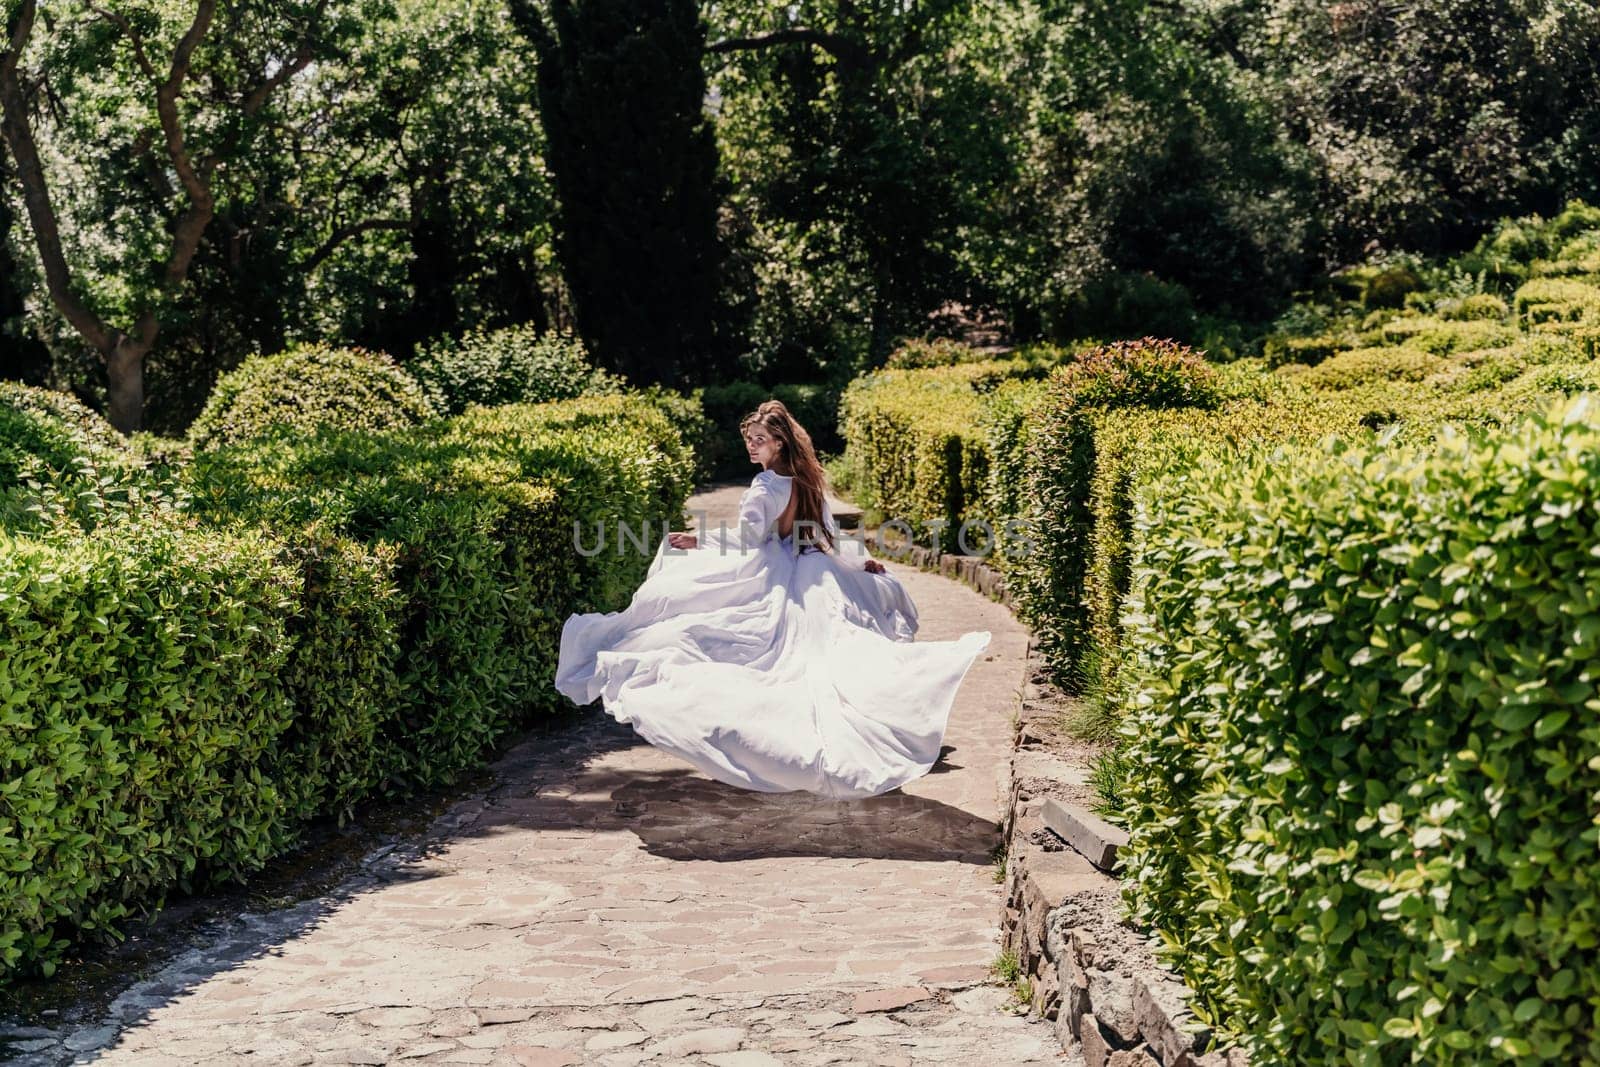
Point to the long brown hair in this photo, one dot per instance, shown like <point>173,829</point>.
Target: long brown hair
<point>800,458</point>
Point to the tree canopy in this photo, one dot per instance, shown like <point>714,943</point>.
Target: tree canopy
<point>701,192</point>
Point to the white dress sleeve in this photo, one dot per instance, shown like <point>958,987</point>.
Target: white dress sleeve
<point>759,509</point>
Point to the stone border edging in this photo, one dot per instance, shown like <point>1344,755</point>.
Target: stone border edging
<point>968,570</point>
<point>1112,1002</point>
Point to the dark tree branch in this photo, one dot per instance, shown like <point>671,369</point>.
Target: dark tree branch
<point>30,174</point>
<point>122,23</point>
<point>345,233</point>
<point>304,53</point>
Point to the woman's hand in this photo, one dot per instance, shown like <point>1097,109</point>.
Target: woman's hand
<point>678,539</point>
<point>872,566</point>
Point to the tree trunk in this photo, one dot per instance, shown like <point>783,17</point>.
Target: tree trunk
<point>125,370</point>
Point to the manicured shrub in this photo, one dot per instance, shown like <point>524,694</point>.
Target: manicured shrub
<point>62,466</point>
<point>915,436</point>
<point>1576,218</point>
<point>1544,300</point>
<point>939,352</point>
<point>1442,337</point>
<point>1361,366</point>
<point>514,365</point>
<point>87,426</point>
<point>1364,747</point>
<point>1280,350</point>
<point>143,700</point>
<point>1006,420</point>
<point>687,414</point>
<point>341,613</point>
<point>307,388</point>
<point>918,446</point>
<point>1475,307</point>
<point>1145,373</point>
<point>1083,466</point>
<point>473,521</point>
<point>1388,287</point>
<point>341,673</point>
<point>1093,418</point>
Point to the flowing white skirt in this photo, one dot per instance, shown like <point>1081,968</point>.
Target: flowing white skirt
<point>772,670</point>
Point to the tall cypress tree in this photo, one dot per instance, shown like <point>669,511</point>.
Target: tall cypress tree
<point>22,358</point>
<point>621,95</point>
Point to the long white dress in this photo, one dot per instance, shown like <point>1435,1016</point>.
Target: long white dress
<point>772,669</point>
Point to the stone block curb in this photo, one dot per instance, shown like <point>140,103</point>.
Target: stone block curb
<point>1091,835</point>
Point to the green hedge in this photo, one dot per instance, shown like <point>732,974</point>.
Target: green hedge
<point>1364,744</point>
<point>307,388</point>
<point>920,445</point>
<point>140,706</point>
<point>1363,365</point>
<point>478,514</point>
<point>62,467</point>
<point>514,365</point>
<point>340,614</point>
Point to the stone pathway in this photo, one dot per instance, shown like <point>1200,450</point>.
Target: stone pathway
<point>604,903</point>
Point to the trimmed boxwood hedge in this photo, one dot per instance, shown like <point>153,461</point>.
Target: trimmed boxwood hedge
<point>1364,747</point>
<point>140,704</point>
<point>334,615</point>
<point>918,439</point>
<point>478,513</point>
<point>307,388</point>
<point>514,365</point>
<point>62,466</point>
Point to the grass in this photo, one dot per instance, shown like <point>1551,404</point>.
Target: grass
<point>998,858</point>
<point>1108,773</point>
<point>1097,713</point>
<point>1009,971</point>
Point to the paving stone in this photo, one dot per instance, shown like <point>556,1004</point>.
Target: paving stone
<point>367,1057</point>
<point>412,1052</point>
<point>889,999</point>
<point>485,1039</point>
<point>669,1014</point>
<point>714,1039</point>
<point>536,1056</point>
<point>606,1041</point>
<point>84,1040</point>
<point>394,1016</point>
<point>458,1022</point>
<point>971,974</point>
<point>744,1058</point>
<point>25,1032</point>
<point>624,1058</point>
<point>34,1044</point>
<point>469,1055</point>
<point>873,1027</point>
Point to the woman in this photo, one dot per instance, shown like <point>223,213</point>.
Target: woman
<point>766,666</point>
